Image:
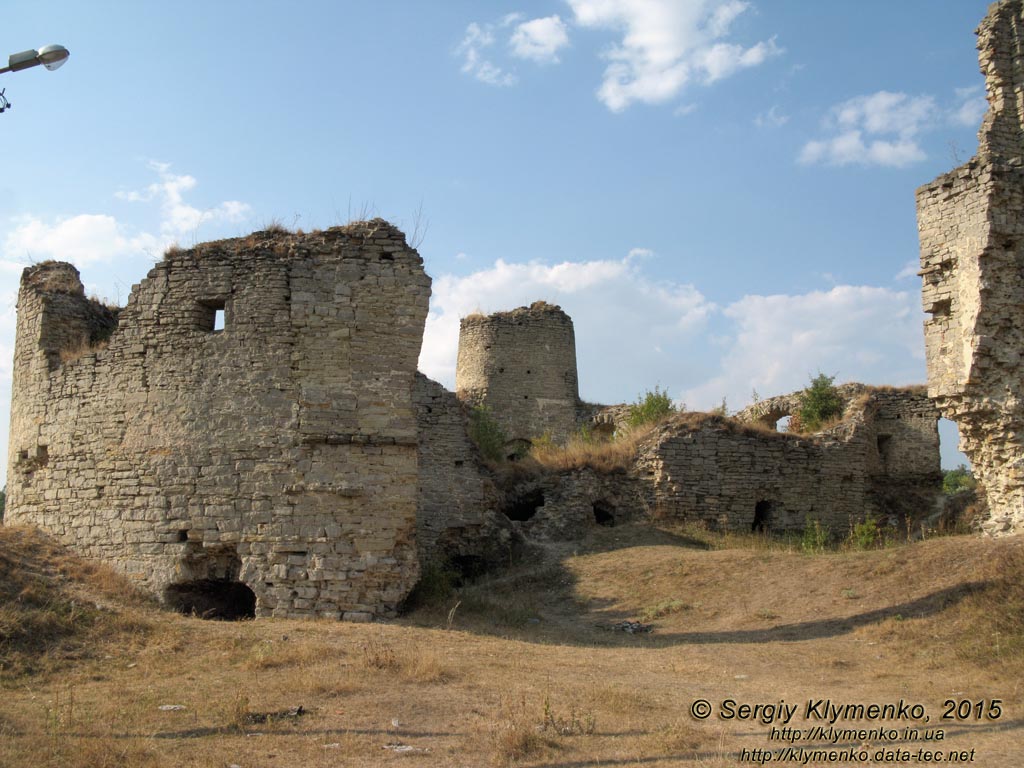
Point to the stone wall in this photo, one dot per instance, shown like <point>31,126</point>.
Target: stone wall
<point>739,479</point>
<point>279,452</point>
<point>458,510</point>
<point>735,476</point>
<point>904,426</point>
<point>521,365</point>
<point>567,505</point>
<point>971,227</point>
<point>902,421</point>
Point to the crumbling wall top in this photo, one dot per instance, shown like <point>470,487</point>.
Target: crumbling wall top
<point>1001,137</point>
<point>536,311</point>
<point>53,277</point>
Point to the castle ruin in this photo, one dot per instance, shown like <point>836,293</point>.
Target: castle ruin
<point>250,429</point>
<point>278,452</point>
<point>971,226</point>
<point>521,366</point>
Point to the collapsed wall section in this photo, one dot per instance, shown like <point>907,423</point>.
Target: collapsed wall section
<point>735,478</point>
<point>521,365</point>
<point>457,515</point>
<point>746,476</point>
<point>971,228</point>
<point>278,452</point>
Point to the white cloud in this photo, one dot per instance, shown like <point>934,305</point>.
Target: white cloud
<point>877,129</point>
<point>638,254</point>
<point>613,305</point>
<point>83,239</point>
<point>88,238</point>
<point>724,59</point>
<point>850,148</point>
<point>475,42</point>
<point>178,217</point>
<point>772,118</point>
<point>858,333</point>
<point>667,44</point>
<point>971,107</point>
<point>539,40</point>
<point>633,331</point>
<point>909,270</point>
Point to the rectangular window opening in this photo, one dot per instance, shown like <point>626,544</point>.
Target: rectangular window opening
<point>942,308</point>
<point>212,315</point>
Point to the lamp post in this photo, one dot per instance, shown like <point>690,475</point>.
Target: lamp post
<point>50,56</point>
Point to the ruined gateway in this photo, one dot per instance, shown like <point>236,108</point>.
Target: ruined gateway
<point>289,454</point>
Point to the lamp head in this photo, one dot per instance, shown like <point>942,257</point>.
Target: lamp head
<point>53,56</point>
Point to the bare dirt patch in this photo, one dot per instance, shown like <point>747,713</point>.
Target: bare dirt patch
<point>528,669</point>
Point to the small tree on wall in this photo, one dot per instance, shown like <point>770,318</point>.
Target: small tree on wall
<point>651,407</point>
<point>819,403</point>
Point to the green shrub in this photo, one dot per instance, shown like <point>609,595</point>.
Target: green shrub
<point>544,441</point>
<point>652,407</point>
<point>866,535</point>
<point>819,403</point>
<point>487,433</point>
<point>815,537</point>
<point>959,479</point>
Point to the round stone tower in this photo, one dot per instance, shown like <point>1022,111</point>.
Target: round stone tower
<point>521,365</point>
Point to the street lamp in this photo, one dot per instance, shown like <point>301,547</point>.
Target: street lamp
<point>50,56</point>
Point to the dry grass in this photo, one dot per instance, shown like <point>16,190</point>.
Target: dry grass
<point>515,733</point>
<point>602,456</point>
<point>84,347</point>
<point>984,623</point>
<point>920,622</point>
<point>618,454</point>
<point>53,606</point>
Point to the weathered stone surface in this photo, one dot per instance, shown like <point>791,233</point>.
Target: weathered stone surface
<point>733,477</point>
<point>458,510</point>
<point>279,452</point>
<point>971,227</point>
<point>521,365</point>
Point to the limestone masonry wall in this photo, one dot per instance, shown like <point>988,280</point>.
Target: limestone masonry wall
<point>740,478</point>
<point>458,511</point>
<point>971,227</point>
<point>521,365</point>
<point>279,452</point>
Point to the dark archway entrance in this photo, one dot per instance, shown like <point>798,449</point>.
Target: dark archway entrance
<point>212,599</point>
<point>525,506</point>
<point>604,513</point>
<point>762,516</point>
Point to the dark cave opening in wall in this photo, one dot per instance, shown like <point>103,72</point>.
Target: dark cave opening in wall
<point>604,513</point>
<point>525,506</point>
<point>212,599</point>
<point>762,517</point>
<point>467,568</point>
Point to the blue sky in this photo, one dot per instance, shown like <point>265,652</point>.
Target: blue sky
<point>719,192</point>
